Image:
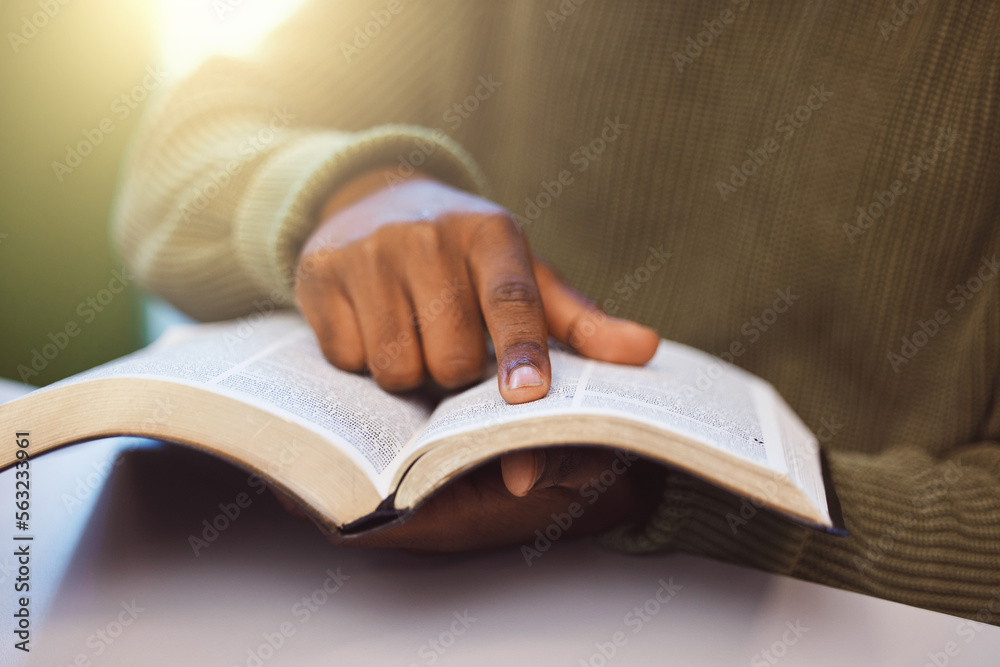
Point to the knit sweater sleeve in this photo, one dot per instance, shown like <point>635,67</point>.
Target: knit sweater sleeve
<point>227,174</point>
<point>924,530</point>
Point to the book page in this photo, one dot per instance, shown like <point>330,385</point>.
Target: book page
<point>802,454</point>
<point>276,364</point>
<point>681,390</point>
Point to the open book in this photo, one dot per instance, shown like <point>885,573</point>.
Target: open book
<point>354,456</point>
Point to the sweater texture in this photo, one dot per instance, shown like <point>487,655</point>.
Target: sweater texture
<point>821,177</point>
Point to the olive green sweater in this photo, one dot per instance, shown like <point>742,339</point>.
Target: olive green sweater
<point>823,175</point>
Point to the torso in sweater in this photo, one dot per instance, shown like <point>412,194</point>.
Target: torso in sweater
<point>810,191</point>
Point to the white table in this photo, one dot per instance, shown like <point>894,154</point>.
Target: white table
<point>120,563</point>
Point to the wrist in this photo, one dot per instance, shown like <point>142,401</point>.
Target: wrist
<point>362,186</point>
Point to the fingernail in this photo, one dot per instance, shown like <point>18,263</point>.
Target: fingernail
<point>524,376</point>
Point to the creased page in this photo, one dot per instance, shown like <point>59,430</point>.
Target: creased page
<point>681,390</point>
<point>277,365</point>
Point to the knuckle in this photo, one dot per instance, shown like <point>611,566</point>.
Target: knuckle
<point>395,366</point>
<point>423,239</point>
<point>493,227</point>
<point>457,372</point>
<point>500,219</point>
<point>369,247</point>
<point>515,293</point>
<point>313,265</point>
<point>344,357</point>
<point>401,242</point>
<point>423,231</point>
<point>383,235</point>
<point>314,289</point>
<point>398,375</point>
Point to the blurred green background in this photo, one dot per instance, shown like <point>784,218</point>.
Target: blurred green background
<point>72,72</point>
<point>57,81</point>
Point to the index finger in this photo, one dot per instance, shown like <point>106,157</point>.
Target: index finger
<point>501,269</point>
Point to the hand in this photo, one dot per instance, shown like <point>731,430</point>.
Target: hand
<point>504,503</point>
<point>401,280</point>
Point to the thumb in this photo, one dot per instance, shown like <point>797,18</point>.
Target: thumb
<point>521,470</point>
<point>580,324</point>
<point>570,467</point>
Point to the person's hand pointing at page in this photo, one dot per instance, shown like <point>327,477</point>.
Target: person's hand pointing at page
<point>401,280</point>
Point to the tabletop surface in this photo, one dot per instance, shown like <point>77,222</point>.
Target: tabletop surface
<point>134,562</point>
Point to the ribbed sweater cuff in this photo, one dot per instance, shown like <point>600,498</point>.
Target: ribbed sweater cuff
<point>279,208</point>
<point>916,531</point>
<point>695,516</point>
<point>917,527</point>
